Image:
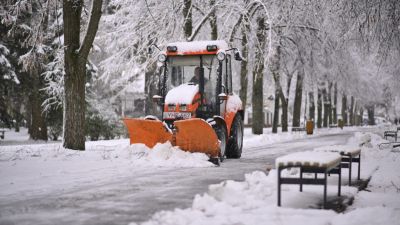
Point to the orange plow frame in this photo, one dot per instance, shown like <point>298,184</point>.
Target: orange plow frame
<point>192,135</point>
<point>196,135</point>
<point>148,132</point>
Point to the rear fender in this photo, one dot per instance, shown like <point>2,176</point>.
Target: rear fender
<point>229,116</point>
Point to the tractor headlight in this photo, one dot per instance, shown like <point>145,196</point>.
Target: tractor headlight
<point>171,107</point>
<point>162,57</point>
<point>183,107</point>
<point>221,56</point>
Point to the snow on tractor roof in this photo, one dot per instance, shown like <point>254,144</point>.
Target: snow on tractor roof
<point>196,47</point>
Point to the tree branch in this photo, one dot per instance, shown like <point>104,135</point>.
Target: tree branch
<point>296,26</point>
<point>197,28</point>
<point>92,29</point>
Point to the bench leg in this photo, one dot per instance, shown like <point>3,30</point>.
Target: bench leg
<point>350,164</point>
<point>340,179</point>
<point>301,178</point>
<point>325,190</point>
<point>279,186</point>
<point>359,166</point>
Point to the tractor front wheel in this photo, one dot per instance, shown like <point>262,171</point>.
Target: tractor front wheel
<point>235,142</point>
<point>222,137</point>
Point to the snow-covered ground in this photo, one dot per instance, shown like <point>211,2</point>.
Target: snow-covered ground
<point>104,172</point>
<point>30,169</point>
<point>253,201</point>
<point>42,167</point>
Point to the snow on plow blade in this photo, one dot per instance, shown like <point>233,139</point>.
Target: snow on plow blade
<point>148,132</point>
<point>196,135</point>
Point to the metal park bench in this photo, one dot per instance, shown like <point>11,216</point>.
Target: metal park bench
<point>386,145</point>
<point>392,134</point>
<point>2,132</point>
<point>309,162</point>
<point>350,154</point>
<point>298,129</point>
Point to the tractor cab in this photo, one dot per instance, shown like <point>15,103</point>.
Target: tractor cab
<point>196,80</point>
<point>200,112</point>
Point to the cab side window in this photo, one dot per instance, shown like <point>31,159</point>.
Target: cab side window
<point>228,74</point>
<point>224,80</point>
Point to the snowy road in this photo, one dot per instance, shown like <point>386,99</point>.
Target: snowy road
<point>136,197</point>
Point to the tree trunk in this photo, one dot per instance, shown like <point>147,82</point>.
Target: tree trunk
<point>213,22</point>
<point>352,111</point>
<point>334,109</point>
<point>356,121</point>
<point>275,123</point>
<point>75,57</point>
<point>361,116</point>
<point>284,120</point>
<point>243,70</point>
<point>187,14</point>
<point>298,98</point>
<point>275,71</point>
<point>258,77</point>
<point>319,108</point>
<point>330,103</point>
<point>311,106</point>
<point>37,128</point>
<point>344,108</point>
<point>371,115</point>
<point>326,106</point>
<point>150,89</point>
<point>17,115</point>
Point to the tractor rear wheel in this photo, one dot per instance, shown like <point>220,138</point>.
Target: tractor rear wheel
<point>235,143</point>
<point>222,137</point>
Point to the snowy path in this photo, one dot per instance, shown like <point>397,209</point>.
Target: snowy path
<point>136,197</point>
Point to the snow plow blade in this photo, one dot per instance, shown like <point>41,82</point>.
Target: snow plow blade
<point>196,135</point>
<point>148,132</point>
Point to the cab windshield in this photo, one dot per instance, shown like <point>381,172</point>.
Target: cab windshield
<point>185,69</point>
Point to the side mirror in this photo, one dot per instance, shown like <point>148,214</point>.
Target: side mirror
<point>238,56</point>
<point>223,97</point>
<point>157,99</point>
<point>150,50</point>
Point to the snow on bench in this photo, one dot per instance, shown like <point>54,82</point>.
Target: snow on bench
<point>309,162</point>
<point>298,129</point>
<point>342,149</point>
<point>325,160</point>
<point>350,154</point>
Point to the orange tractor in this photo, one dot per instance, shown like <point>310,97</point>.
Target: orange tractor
<point>200,112</point>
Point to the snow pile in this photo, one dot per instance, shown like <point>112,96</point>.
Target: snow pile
<point>362,139</point>
<point>234,103</point>
<point>165,155</point>
<point>343,149</point>
<point>161,155</point>
<point>183,94</point>
<point>253,201</point>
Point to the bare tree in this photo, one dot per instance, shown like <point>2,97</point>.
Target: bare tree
<point>75,56</point>
<point>258,77</point>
